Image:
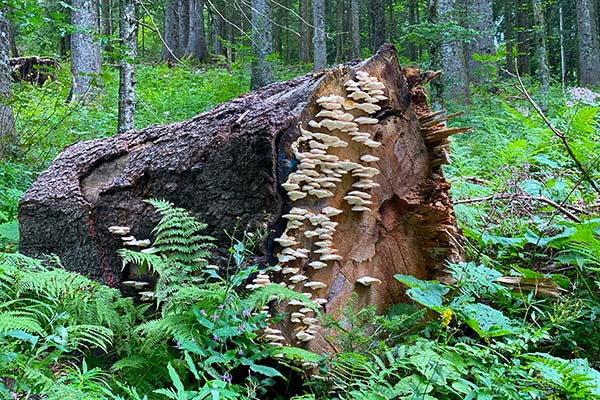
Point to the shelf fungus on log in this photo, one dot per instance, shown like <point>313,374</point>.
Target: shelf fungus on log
<point>343,166</point>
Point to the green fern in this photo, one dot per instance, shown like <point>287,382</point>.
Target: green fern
<point>179,249</point>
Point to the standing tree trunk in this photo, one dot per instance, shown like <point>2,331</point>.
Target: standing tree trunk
<point>197,39</point>
<point>85,50</point>
<point>262,44</point>
<point>183,26</point>
<point>7,121</point>
<point>448,55</point>
<point>235,165</point>
<point>305,31</point>
<point>508,35</point>
<point>540,36</point>
<point>413,19</point>
<point>377,31</point>
<point>355,27</point>
<point>170,37</point>
<point>128,36</point>
<point>523,39</point>
<point>106,21</point>
<point>587,40</point>
<point>319,44</point>
<point>12,44</point>
<point>480,18</point>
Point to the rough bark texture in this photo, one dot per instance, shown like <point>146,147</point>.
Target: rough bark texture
<point>85,50</point>
<point>170,38</point>
<point>305,31</point>
<point>262,44</point>
<point>197,40</point>
<point>319,45</point>
<point>183,26</point>
<point>230,163</point>
<point>355,28</point>
<point>480,17</point>
<point>587,38</point>
<point>12,44</point>
<point>7,122</point>
<point>455,83</point>
<point>377,31</point>
<point>128,36</point>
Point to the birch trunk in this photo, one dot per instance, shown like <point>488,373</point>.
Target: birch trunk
<point>128,36</point>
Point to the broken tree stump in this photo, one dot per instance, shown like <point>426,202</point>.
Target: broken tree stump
<point>343,166</point>
<point>35,70</point>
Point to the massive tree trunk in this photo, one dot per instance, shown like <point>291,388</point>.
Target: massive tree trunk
<point>448,55</point>
<point>587,39</point>
<point>170,37</point>
<point>262,44</point>
<point>85,50</point>
<point>480,17</point>
<point>197,39</point>
<point>377,31</point>
<point>7,122</point>
<point>183,26</point>
<point>128,36</point>
<point>377,200</point>
<point>319,44</point>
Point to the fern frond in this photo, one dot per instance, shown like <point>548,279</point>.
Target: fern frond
<point>90,336</point>
<point>19,320</point>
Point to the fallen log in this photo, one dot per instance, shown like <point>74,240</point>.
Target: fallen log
<point>334,164</point>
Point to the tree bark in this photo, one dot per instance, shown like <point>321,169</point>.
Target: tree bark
<point>183,26</point>
<point>106,21</point>
<point>228,166</point>
<point>508,35</point>
<point>449,56</point>
<point>480,17</point>
<point>262,44</point>
<point>197,39</point>
<point>587,40</point>
<point>85,50</point>
<point>128,36</point>
<point>319,44</point>
<point>170,37</point>
<point>540,36</point>
<point>355,24</point>
<point>7,121</point>
<point>413,19</point>
<point>523,39</point>
<point>305,31</point>
<point>377,31</point>
<point>12,44</point>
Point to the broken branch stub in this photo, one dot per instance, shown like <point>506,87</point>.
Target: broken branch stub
<point>337,165</point>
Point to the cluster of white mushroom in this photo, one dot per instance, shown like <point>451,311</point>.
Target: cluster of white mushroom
<point>128,240</point>
<point>319,174</point>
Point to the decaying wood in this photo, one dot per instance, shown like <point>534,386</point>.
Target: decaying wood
<point>35,70</point>
<point>239,163</point>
